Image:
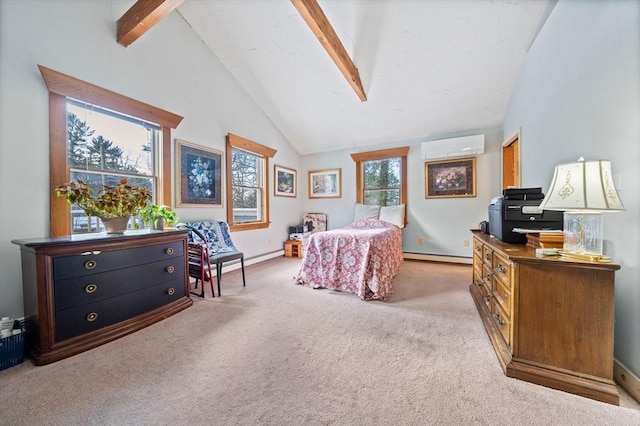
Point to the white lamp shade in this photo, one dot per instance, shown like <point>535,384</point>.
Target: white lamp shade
<point>582,186</point>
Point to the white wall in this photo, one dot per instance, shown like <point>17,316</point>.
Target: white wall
<point>168,67</point>
<point>443,223</point>
<point>579,95</point>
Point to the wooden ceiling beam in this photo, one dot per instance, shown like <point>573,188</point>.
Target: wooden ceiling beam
<point>316,19</point>
<point>139,19</point>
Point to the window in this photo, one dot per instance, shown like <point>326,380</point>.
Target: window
<point>382,181</point>
<point>247,183</point>
<point>104,146</point>
<point>71,156</point>
<point>381,176</point>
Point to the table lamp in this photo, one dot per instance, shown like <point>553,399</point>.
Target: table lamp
<point>583,190</point>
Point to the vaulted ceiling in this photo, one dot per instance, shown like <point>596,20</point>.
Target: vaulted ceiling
<point>427,67</point>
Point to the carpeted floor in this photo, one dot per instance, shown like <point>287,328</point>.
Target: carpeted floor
<point>280,354</point>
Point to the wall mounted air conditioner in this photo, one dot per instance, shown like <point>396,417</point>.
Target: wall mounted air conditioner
<point>466,146</point>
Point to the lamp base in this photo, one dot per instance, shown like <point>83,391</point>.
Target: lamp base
<point>583,233</point>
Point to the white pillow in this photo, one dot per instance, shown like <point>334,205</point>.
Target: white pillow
<point>364,211</point>
<point>393,215</point>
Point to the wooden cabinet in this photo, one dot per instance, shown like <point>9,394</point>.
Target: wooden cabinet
<point>82,291</point>
<point>293,248</point>
<point>550,320</point>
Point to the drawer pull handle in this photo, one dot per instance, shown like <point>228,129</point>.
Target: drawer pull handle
<point>169,250</point>
<point>501,268</point>
<point>487,298</point>
<point>90,264</point>
<point>170,291</point>
<point>92,316</point>
<point>170,269</point>
<point>488,276</point>
<point>499,320</point>
<point>90,288</point>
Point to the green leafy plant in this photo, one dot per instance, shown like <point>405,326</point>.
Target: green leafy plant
<point>112,201</point>
<point>156,215</point>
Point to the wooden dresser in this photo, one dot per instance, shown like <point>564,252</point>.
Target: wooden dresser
<point>82,291</point>
<point>550,320</point>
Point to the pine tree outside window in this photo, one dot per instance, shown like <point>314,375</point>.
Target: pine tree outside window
<point>382,182</point>
<point>104,146</point>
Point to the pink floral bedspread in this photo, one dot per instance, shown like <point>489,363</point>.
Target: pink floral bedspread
<point>362,258</point>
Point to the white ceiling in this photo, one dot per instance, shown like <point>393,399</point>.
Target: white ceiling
<point>428,67</point>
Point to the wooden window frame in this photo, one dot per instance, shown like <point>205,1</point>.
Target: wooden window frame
<point>235,141</point>
<point>381,154</point>
<point>61,87</point>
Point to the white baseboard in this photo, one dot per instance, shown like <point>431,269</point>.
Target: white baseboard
<point>232,266</point>
<point>438,258</point>
<point>626,379</point>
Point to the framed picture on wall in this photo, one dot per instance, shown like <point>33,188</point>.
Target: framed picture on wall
<point>285,184</point>
<point>325,183</point>
<point>198,175</point>
<point>450,178</point>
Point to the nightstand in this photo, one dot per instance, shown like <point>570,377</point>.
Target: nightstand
<point>293,248</point>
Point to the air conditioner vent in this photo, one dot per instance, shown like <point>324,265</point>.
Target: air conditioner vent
<point>466,146</point>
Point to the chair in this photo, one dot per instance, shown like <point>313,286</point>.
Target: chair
<point>198,262</point>
<point>210,243</point>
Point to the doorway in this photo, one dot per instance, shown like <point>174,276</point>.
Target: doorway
<point>511,162</point>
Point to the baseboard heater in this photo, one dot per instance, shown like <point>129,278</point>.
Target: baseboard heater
<point>232,266</point>
<point>438,258</point>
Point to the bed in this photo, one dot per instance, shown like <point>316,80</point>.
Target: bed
<point>362,258</point>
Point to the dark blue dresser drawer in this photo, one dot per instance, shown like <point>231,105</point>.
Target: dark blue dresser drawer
<point>94,287</point>
<point>91,262</point>
<point>93,316</point>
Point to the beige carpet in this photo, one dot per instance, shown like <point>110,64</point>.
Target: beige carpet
<point>280,354</point>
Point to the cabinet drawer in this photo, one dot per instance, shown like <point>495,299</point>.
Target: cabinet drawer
<point>94,287</point>
<point>91,262</point>
<point>478,279</point>
<point>477,272</point>
<point>503,295</point>
<point>487,256</point>
<point>502,269</point>
<point>83,319</point>
<point>502,321</point>
<point>477,248</point>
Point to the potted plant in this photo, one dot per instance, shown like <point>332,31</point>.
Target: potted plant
<point>156,216</point>
<point>114,205</point>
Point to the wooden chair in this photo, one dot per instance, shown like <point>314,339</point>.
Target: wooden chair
<point>199,265</point>
<point>211,243</point>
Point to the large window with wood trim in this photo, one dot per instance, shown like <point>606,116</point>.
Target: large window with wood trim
<point>247,183</point>
<point>381,176</point>
<point>91,138</point>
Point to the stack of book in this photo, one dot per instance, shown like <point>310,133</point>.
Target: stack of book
<point>545,240</point>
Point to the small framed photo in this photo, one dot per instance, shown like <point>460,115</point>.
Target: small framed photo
<point>450,178</point>
<point>325,183</point>
<point>285,181</point>
<point>198,175</point>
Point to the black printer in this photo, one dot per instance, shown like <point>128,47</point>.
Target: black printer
<point>518,208</point>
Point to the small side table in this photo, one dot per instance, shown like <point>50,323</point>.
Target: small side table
<point>293,248</point>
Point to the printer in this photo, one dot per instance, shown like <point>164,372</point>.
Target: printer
<point>518,208</point>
